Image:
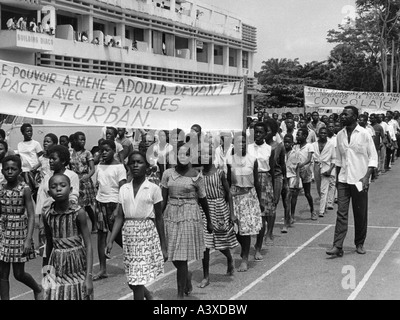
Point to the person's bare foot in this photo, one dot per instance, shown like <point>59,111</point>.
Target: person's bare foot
<point>38,295</point>
<point>204,283</point>
<point>258,256</point>
<point>231,269</point>
<point>189,287</point>
<point>243,266</point>
<point>99,276</point>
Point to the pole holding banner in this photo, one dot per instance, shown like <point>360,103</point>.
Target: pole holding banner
<point>245,84</point>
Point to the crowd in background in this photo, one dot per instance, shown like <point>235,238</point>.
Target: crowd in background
<point>165,195</point>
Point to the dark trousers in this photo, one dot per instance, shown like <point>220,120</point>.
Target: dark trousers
<point>359,203</point>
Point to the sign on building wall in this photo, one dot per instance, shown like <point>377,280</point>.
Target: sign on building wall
<point>315,98</point>
<point>108,100</point>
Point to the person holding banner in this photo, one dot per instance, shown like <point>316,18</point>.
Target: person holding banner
<point>356,158</point>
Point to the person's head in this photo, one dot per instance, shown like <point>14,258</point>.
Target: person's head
<point>107,150</point>
<point>121,132</point>
<point>206,155</point>
<point>289,124</point>
<point>59,187</point>
<point>288,141</point>
<point>184,155</point>
<point>12,168</point>
<point>283,116</point>
<point>322,134</point>
<point>260,132</point>
<point>386,119</point>
<point>296,118</point>
<point>275,116</point>
<point>64,141</point>
<point>3,149</point>
<point>111,133</point>
<point>2,135</point>
<point>349,116</point>
<point>138,164</point>
<point>59,158</point>
<point>380,117</point>
<point>308,116</point>
<point>27,131</point>
<point>196,128</point>
<point>389,114</point>
<point>176,135</point>
<point>80,140</point>
<point>324,119</point>
<point>362,120</point>
<point>372,118</point>
<point>260,115</point>
<point>240,143</point>
<point>289,115</point>
<point>303,123</point>
<point>147,140</point>
<point>338,126</point>
<point>49,140</point>
<point>315,116</point>
<point>301,135</point>
<point>71,139</point>
<point>331,128</point>
<point>163,136</point>
<point>271,127</point>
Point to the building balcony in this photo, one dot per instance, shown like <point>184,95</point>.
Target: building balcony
<point>25,4</point>
<point>26,41</point>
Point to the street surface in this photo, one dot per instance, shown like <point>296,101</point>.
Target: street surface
<point>296,267</point>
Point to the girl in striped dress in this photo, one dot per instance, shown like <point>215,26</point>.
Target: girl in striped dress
<point>16,228</point>
<point>68,244</point>
<point>183,191</point>
<point>218,196</point>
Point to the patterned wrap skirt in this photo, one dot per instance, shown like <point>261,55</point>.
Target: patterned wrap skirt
<point>13,233</point>
<point>223,237</point>
<point>66,270</point>
<point>183,226</point>
<point>267,194</point>
<point>87,193</point>
<point>143,257</point>
<point>105,217</point>
<point>247,210</point>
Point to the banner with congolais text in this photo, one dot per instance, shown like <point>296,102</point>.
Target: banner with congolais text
<point>118,101</point>
<point>336,99</point>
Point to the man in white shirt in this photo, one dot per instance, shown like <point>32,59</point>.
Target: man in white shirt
<point>396,129</point>
<point>387,142</point>
<point>356,158</point>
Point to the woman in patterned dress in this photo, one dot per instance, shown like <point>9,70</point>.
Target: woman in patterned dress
<point>245,189</point>
<point>82,163</point>
<point>218,197</point>
<point>140,217</point>
<point>68,244</point>
<point>183,190</point>
<point>16,229</point>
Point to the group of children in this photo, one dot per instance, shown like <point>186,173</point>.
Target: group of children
<point>172,198</point>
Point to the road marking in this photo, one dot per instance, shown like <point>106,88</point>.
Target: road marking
<point>251,285</point>
<point>373,267</point>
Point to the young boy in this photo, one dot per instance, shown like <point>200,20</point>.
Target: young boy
<point>324,163</point>
<point>304,151</point>
<point>293,177</point>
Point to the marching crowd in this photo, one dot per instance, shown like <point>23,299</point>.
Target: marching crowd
<point>174,196</point>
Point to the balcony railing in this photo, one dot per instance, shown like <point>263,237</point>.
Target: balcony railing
<point>26,41</point>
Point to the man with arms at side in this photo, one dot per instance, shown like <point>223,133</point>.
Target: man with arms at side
<point>356,158</point>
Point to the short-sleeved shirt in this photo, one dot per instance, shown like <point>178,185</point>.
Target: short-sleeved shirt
<point>292,160</point>
<point>28,151</point>
<point>303,151</point>
<point>140,206</point>
<point>262,153</point>
<point>108,178</point>
<point>181,186</point>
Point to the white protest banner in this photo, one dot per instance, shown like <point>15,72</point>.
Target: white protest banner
<point>118,101</point>
<point>337,100</point>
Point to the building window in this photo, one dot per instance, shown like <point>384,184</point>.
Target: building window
<point>245,60</point>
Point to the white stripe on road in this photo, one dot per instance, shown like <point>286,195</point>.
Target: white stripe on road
<point>255,282</point>
<point>373,267</point>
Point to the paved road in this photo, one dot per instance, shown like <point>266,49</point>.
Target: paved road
<point>296,267</point>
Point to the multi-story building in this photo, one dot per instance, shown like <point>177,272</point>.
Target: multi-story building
<point>181,41</point>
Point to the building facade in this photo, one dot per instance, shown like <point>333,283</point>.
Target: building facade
<point>180,41</point>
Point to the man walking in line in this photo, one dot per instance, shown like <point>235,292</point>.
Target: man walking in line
<point>356,158</point>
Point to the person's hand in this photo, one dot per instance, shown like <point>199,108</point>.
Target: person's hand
<point>165,254</point>
<point>26,247</point>
<point>365,183</point>
<point>210,228</point>
<point>88,287</point>
<point>108,248</point>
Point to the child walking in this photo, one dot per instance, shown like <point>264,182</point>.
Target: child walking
<point>222,217</point>
<point>16,229</point>
<point>139,215</point>
<point>69,247</point>
<point>82,163</point>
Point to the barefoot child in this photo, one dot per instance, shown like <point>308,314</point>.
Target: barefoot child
<point>218,197</point>
<point>17,224</point>
<point>139,216</point>
<point>69,247</point>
